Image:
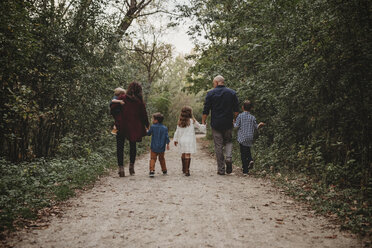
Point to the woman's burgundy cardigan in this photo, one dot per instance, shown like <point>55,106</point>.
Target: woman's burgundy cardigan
<point>132,119</point>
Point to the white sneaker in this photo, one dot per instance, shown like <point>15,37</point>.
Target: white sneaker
<point>250,166</point>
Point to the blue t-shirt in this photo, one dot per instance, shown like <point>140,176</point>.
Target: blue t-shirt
<point>222,102</point>
<point>159,138</point>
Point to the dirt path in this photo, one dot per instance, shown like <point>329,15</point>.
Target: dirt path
<point>203,210</point>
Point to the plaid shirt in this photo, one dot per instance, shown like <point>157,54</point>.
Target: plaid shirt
<point>247,125</point>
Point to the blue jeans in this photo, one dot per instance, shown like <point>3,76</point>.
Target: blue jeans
<point>246,156</point>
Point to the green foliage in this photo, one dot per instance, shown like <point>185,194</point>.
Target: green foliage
<point>305,65</point>
<point>58,70</point>
<point>27,187</point>
<point>55,78</point>
<point>50,72</point>
<point>168,96</point>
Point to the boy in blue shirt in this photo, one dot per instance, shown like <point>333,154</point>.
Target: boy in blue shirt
<point>247,126</point>
<point>159,140</point>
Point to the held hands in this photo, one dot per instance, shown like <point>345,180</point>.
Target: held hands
<point>203,128</point>
<point>175,143</point>
<point>122,102</point>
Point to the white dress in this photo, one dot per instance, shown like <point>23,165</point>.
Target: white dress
<point>185,136</point>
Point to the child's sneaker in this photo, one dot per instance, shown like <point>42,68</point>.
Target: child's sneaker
<point>152,173</point>
<point>250,166</point>
<point>165,172</point>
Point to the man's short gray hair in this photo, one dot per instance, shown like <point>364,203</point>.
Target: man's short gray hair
<point>219,79</point>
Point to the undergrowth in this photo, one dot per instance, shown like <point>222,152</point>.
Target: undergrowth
<point>29,186</point>
<point>347,206</point>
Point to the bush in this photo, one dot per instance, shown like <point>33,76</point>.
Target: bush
<point>27,187</point>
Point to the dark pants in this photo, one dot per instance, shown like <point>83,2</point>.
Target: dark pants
<point>245,153</point>
<point>120,150</point>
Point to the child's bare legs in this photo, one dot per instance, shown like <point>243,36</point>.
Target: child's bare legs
<point>186,159</point>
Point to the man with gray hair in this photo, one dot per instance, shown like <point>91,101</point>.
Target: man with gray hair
<point>224,106</point>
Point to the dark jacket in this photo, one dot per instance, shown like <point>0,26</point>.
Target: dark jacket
<point>132,119</point>
<point>222,102</point>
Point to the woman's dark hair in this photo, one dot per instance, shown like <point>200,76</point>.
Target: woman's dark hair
<point>135,90</point>
<point>247,105</point>
<point>186,115</point>
<point>159,117</point>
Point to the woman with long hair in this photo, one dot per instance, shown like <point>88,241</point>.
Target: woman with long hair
<point>132,127</point>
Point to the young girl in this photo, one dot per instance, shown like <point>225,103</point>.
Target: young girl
<point>185,137</point>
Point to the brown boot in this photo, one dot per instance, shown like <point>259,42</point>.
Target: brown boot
<point>121,171</point>
<point>187,166</point>
<point>183,165</point>
<point>131,169</point>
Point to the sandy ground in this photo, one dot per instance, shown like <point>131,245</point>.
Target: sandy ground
<point>203,210</point>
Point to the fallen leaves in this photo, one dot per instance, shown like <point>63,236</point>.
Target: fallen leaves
<point>331,236</point>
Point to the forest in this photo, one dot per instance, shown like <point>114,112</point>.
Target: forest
<point>306,66</point>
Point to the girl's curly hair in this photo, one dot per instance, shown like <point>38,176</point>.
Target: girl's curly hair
<point>185,116</point>
<point>135,90</point>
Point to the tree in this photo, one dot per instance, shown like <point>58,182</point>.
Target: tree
<point>52,63</point>
<point>304,65</point>
<point>152,54</point>
<point>169,95</point>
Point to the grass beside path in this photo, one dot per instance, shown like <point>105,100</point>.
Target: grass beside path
<point>344,206</point>
<point>27,187</point>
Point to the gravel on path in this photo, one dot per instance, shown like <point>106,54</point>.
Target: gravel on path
<point>203,210</point>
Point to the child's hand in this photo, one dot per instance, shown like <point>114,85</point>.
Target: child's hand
<point>261,124</point>
<point>203,128</point>
<point>168,147</point>
<point>122,102</point>
<point>175,143</point>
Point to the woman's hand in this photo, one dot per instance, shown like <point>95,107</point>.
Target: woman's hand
<point>168,147</point>
<point>175,143</point>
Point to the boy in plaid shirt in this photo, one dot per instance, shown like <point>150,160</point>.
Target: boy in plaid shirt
<point>247,125</point>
